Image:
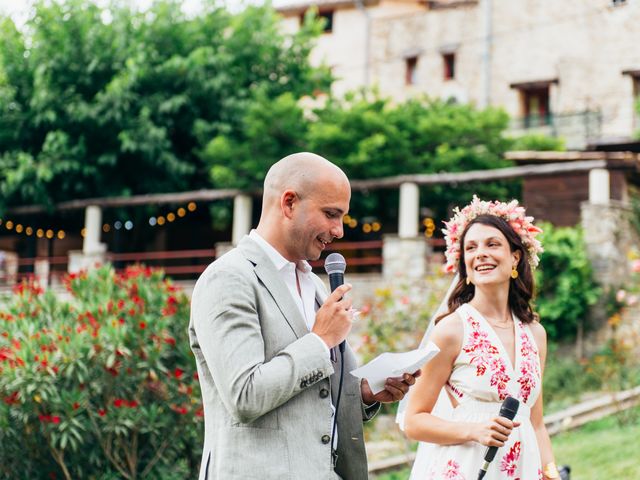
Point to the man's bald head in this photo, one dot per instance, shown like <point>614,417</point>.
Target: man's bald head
<point>301,172</point>
<point>305,200</point>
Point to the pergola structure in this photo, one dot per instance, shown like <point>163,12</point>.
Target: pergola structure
<point>400,251</point>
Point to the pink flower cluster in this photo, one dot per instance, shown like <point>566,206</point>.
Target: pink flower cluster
<point>512,212</point>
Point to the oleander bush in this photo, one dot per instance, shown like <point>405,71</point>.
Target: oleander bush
<point>99,383</point>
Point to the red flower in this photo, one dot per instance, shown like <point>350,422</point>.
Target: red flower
<point>76,405</point>
<point>118,402</point>
<point>12,399</point>
<point>178,372</point>
<point>142,325</point>
<point>55,419</point>
<point>133,404</point>
<point>120,304</point>
<point>182,410</point>
<point>102,412</point>
<point>171,341</point>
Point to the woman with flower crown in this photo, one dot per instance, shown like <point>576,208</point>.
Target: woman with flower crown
<point>491,346</point>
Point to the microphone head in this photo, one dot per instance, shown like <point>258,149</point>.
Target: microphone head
<point>509,408</point>
<point>335,263</point>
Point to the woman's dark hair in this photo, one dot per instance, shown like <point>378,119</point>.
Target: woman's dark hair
<point>520,289</point>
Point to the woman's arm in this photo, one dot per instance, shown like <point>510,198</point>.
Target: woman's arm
<point>420,424</point>
<point>537,420</point>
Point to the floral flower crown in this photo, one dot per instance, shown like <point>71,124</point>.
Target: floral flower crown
<point>513,213</point>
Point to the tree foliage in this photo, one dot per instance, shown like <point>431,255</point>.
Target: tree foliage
<point>566,287</point>
<point>104,101</point>
<point>110,101</point>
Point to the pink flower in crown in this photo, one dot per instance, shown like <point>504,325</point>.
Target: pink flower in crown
<point>513,213</point>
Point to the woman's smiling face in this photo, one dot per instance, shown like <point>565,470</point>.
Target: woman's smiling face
<point>488,257</point>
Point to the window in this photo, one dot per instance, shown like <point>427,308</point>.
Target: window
<point>617,3</point>
<point>536,106</point>
<point>411,64</point>
<point>534,101</point>
<point>449,63</point>
<point>635,78</point>
<point>326,16</point>
<point>636,100</point>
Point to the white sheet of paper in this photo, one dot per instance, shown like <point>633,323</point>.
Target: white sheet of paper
<point>391,364</point>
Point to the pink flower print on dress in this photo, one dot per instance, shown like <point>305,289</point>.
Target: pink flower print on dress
<point>452,471</point>
<point>529,368</point>
<point>509,463</point>
<point>485,355</point>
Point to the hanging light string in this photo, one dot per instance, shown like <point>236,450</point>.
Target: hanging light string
<point>49,233</point>
<point>367,227</point>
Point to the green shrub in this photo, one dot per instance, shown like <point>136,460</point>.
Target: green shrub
<point>565,285</point>
<point>537,142</point>
<point>99,383</point>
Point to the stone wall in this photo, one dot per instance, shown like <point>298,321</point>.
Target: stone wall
<point>609,238</point>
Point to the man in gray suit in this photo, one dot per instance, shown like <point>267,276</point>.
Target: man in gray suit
<point>264,333</point>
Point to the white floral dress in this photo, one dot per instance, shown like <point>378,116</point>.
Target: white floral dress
<point>481,379</point>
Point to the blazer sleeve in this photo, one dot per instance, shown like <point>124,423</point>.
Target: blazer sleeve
<point>226,319</point>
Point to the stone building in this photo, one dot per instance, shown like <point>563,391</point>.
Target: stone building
<point>569,69</point>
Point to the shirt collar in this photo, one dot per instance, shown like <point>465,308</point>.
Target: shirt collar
<point>275,256</point>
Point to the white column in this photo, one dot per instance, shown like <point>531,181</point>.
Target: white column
<point>409,210</point>
<point>93,229</point>
<point>599,190</point>
<point>242,211</point>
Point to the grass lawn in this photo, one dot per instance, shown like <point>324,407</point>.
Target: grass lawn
<point>602,449</point>
<point>599,450</point>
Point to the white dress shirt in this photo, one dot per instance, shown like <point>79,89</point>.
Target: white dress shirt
<point>293,275</point>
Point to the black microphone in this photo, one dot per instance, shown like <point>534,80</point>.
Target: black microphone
<point>508,409</point>
<point>335,265</point>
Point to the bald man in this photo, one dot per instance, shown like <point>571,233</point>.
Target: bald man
<point>264,333</point>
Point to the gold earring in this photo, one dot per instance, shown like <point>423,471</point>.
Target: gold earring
<point>514,272</point>
<point>468,280</point>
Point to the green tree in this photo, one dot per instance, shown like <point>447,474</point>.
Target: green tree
<point>370,137</point>
<point>566,288</point>
<point>92,96</point>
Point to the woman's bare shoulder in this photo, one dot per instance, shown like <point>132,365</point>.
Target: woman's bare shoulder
<point>449,327</point>
<point>539,333</point>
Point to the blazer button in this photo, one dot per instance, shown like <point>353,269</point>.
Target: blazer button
<point>324,393</point>
<point>325,439</point>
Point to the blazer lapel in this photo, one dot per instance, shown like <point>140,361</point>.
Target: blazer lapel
<point>271,279</point>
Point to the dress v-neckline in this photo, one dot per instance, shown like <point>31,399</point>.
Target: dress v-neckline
<point>516,339</point>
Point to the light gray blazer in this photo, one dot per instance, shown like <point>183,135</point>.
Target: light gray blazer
<point>265,380</point>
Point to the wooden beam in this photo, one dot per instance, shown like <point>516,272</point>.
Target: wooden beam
<point>479,175</point>
<point>356,185</point>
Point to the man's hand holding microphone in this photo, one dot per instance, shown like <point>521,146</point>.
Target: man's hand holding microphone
<point>334,321</point>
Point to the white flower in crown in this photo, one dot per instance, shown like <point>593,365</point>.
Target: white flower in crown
<point>513,213</point>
